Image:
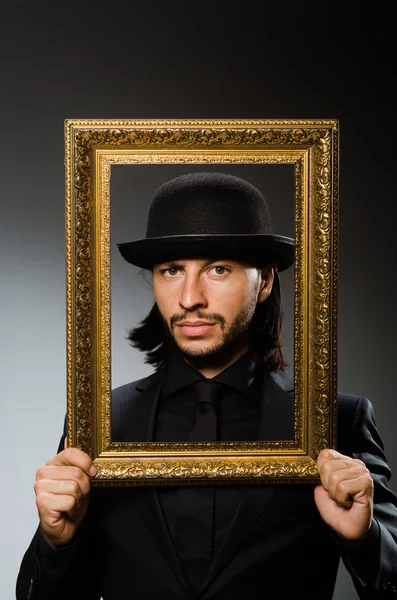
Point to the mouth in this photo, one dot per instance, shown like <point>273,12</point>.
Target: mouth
<point>195,328</point>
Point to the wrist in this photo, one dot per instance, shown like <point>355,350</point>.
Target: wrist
<point>54,542</point>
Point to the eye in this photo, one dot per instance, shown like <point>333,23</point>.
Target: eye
<point>171,271</point>
<point>220,270</point>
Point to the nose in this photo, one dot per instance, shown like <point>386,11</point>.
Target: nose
<point>192,293</point>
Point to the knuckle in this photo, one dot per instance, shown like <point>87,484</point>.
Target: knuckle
<point>342,487</point>
<point>78,474</point>
<point>333,480</point>
<point>70,503</point>
<point>41,501</point>
<point>370,482</point>
<point>74,488</point>
<point>328,453</point>
<point>41,473</point>
<point>326,468</point>
<point>324,455</point>
<point>362,471</point>
<point>332,454</point>
<point>37,487</point>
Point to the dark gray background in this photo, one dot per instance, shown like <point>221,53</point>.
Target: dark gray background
<point>181,60</point>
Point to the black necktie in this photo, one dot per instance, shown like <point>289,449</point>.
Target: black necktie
<point>195,505</point>
<point>205,426</point>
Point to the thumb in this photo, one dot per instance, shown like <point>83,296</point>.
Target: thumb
<point>66,443</point>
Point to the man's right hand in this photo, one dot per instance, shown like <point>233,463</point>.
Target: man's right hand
<point>62,493</point>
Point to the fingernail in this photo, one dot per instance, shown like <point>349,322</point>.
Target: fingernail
<point>93,471</point>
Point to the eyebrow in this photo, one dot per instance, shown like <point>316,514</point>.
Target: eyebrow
<point>180,262</point>
<point>171,263</point>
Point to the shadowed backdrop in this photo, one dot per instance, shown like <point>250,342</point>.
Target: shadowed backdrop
<point>179,60</point>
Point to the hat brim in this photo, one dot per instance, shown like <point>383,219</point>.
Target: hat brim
<point>259,248</point>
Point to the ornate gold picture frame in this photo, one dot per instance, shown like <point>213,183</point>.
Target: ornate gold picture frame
<point>92,149</point>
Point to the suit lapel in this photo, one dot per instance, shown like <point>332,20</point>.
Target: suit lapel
<point>138,409</point>
<point>152,514</point>
<point>277,415</point>
<point>252,502</point>
<point>277,423</point>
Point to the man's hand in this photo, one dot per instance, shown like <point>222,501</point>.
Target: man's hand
<point>345,496</point>
<point>62,493</point>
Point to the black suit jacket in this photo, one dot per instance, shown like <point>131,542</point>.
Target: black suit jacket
<point>277,545</point>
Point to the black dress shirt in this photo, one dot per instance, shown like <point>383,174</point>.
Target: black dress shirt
<point>238,403</point>
<point>238,420</point>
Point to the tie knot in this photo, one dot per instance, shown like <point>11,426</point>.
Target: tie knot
<point>207,391</point>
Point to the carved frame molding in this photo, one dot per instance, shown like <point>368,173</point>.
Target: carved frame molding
<point>91,148</point>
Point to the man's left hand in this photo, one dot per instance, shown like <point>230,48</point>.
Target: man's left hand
<point>345,496</point>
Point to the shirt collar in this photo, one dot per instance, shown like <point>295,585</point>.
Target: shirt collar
<point>179,373</point>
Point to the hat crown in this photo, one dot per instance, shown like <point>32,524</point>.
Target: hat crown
<point>209,215</point>
<point>208,204</point>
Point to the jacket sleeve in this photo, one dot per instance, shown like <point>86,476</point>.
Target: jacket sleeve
<point>74,579</point>
<point>59,574</point>
<point>372,562</point>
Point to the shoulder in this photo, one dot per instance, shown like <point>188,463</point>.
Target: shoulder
<point>354,411</point>
<point>356,426</point>
<point>352,402</point>
<point>127,392</point>
<point>283,379</point>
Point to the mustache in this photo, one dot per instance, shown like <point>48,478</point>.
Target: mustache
<point>175,319</point>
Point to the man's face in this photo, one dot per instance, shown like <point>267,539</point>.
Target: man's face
<point>208,305</point>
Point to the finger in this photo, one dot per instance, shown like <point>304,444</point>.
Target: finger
<point>65,443</point>
<point>337,470</point>
<point>324,501</point>
<point>343,465</point>
<point>327,469</point>
<point>52,473</point>
<point>328,454</point>
<point>330,460</point>
<point>60,487</point>
<point>358,488</point>
<point>50,504</point>
<point>337,479</point>
<point>76,458</point>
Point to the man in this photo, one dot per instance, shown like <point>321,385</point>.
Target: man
<point>214,338</point>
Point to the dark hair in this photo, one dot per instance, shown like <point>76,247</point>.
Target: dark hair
<point>152,336</point>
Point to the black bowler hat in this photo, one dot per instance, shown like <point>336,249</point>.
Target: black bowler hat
<point>212,215</point>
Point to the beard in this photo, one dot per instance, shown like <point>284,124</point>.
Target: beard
<point>235,336</point>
